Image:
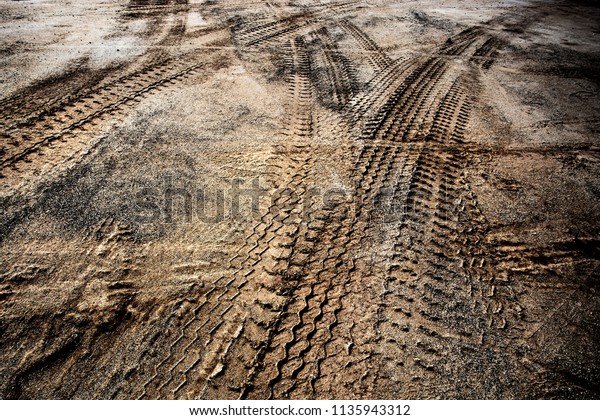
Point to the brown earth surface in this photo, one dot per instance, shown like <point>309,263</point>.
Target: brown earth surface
<point>299,199</point>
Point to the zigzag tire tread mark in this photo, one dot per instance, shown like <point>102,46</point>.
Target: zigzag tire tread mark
<point>244,382</point>
<point>294,370</point>
<point>295,163</point>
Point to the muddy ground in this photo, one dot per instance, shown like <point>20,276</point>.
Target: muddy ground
<point>303,199</point>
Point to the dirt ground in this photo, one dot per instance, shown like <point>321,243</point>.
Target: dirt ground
<point>299,199</point>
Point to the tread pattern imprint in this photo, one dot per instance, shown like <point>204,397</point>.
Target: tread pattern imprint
<point>392,290</point>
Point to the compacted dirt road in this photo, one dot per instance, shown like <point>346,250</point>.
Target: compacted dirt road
<point>299,199</point>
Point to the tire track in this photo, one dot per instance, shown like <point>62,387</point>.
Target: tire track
<point>377,56</point>
<point>197,364</point>
<point>450,121</point>
<point>429,184</point>
<point>262,33</point>
<point>324,262</point>
<point>50,96</point>
<point>299,88</point>
<point>297,366</point>
<point>369,109</point>
<point>27,138</point>
<point>34,122</point>
<point>425,300</point>
<point>303,231</point>
<point>377,92</point>
<point>395,119</point>
<point>487,52</point>
<point>334,71</point>
<point>460,43</point>
<point>435,300</point>
<point>388,292</point>
<point>136,8</point>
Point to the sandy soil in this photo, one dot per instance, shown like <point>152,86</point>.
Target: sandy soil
<point>303,199</point>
